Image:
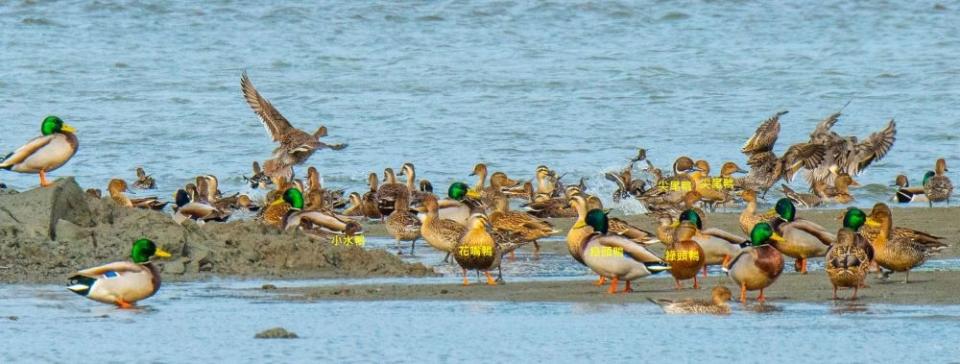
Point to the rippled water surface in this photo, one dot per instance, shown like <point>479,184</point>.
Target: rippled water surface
<point>572,84</point>
<point>181,324</point>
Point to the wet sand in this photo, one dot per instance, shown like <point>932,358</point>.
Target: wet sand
<point>925,288</point>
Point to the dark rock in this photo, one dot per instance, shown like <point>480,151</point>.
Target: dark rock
<point>276,333</point>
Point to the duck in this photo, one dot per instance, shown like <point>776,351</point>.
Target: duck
<point>685,256</point>
<point>546,181</point>
<point>477,250</point>
<point>620,227</point>
<point>389,191</point>
<point>749,216</point>
<point>718,305</point>
<point>802,239</point>
<point>144,181</point>
<point>441,234</point>
<point>839,192</point>
<point>892,252</point>
<point>718,245</point>
<point>355,206</point>
<point>906,193</point>
<point>401,223</point>
<point>758,265</point>
<point>936,185</point>
<point>457,206</point>
<point>766,168</point>
<point>408,171</point>
<point>259,179</point>
<point>854,219</point>
<point>579,231</point>
<point>807,200</point>
<point>296,146</point>
<point>615,257</point>
<point>321,224</point>
<point>117,187</point>
<point>847,155</point>
<point>187,209</point>
<point>869,233</point>
<point>276,213</point>
<point>714,191</point>
<point>370,206</point>
<point>122,283</point>
<point>846,263</point>
<point>92,192</point>
<point>527,226</point>
<point>57,144</point>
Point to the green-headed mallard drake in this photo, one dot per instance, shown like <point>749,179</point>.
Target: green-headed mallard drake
<point>718,304</point>
<point>457,206</point>
<point>188,209</point>
<point>144,181</point>
<point>758,265</point>
<point>122,283</point>
<point>442,234</point>
<point>275,214</point>
<point>846,263</point>
<point>402,224</point>
<point>718,246</point>
<point>579,231</point>
<point>685,256</point>
<point>802,239</point>
<point>897,253</point>
<point>906,193</point>
<point>45,153</point>
<point>117,187</point>
<point>615,257</point>
<point>296,145</point>
<point>936,184</point>
<point>621,227</point>
<point>477,249</point>
<point>854,219</point>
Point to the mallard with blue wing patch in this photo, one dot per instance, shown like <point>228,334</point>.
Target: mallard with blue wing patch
<point>122,283</point>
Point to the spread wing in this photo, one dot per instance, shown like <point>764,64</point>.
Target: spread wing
<point>271,119</point>
<point>822,132</point>
<point>874,148</point>
<point>765,136</point>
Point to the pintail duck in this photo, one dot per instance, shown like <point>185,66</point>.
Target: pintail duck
<point>936,185</point>
<point>847,154</point>
<point>766,168</point>
<point>144,181</point>
<point>718,305</point>
<point>117,187</point>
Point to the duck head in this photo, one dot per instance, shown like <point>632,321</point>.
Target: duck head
<point>144,249</point>
<point>52,124</point>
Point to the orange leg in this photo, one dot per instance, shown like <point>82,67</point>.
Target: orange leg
<point>704,271</point>
<point>513,256</point>
<point>124,304</point>
<point>490,280</point>
<point>465,281</point>
<point>696,285</point>
<point>43,179</point>
<point>601,281</point>
<point>743,293</point>
<point>761,297</point>
<point>803,266</point>
<point>854,298</point>
<point>628,289</point>
<point>676,284</point>
<point>613,285</point>
<point>834,292</point>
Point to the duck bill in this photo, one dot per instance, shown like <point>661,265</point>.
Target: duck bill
<point>872,223</point>
<point>68,128</point>
<point>473,194</point>
<point>579,224</point>
<point>161,253</point>
<point>776,237</point>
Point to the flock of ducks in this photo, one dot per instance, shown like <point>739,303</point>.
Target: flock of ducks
<point>477,227</point>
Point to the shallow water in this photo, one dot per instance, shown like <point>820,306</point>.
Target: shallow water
<point>216,321</point>
<point>574,85</point>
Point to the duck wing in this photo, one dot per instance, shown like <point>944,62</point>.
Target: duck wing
<point>633,250</point>
<point>728,236</point>
<point>814,229</point>
<point>277,125</point>
<point>765,137</point>
<point>25,151</point>
<point>118,267</point>
<point>872,149</point>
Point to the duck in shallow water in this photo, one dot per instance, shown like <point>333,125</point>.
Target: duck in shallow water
<point>122,283</point>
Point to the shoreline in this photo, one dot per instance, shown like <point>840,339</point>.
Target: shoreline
<point>925,288</point>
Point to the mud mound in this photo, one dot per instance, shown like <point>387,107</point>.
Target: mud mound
<point>48,233</point>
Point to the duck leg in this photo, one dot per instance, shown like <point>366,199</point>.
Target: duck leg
<point>536,250</point>
<point>834,292</point>
<point>465,281</point>
<point>854,298</point>
<point>123,304</point>
<point>412,245</point>
<point>500,274</point>
<point>906,277</point>
<point>613,285</point>
<point>696,285</point>
<point>490,280</point>
<point>601,281</point>
<point>446,259</point>
<point>676,284</point>
<point>628,288</point>
<point>43,179</point>
<point>704,271</point>
<point>761,298</point>
<point>743,293</point>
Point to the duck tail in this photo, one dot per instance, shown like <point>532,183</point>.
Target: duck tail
<point>657,267</point>
<point>7,167</point>
<point>81,284</point>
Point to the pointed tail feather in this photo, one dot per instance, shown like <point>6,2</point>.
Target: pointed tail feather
<point>81,284</point>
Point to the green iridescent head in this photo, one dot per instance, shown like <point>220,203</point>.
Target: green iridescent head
<point>144,249</point>
<point>458,190</point>
<point>927,176</point>
<point>854,218</point>
<point>293,197</point>
<point>761,234</point>
<point>598,220</point>
<point>786,209</point>
<point>692,216</point>
<point>52,124</point>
